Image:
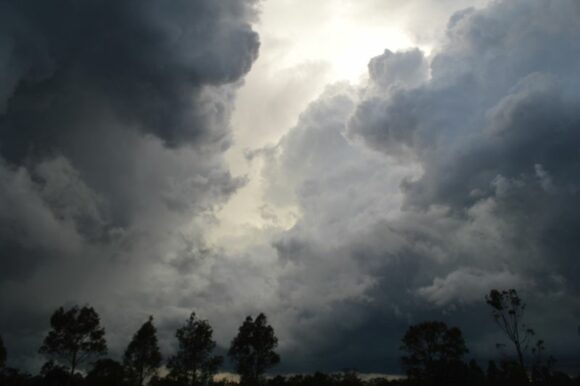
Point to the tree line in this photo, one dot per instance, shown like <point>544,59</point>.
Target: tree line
<point>433,354</point>
<point>77,339</point>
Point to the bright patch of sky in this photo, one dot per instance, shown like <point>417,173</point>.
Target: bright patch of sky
<point>303,49</point>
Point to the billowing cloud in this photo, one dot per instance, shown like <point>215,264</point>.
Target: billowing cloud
<point>446,176</point>
<point>113,119</point>
<point>467,285</point>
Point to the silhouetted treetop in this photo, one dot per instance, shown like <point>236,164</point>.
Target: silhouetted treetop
<point>252,350</point>
<point>75,336</point>
<point>194,363</point>
<point>433,341</point>
<point>432,349</point>
<point>142,357</point>
<point>508,311</point>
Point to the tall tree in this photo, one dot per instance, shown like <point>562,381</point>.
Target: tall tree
<point>252,350</point>
<point>142,357</point>
<point>508,312</point>
<point>2,353</point>
<point>433,350</point>
<point>75,336</point>
<point>194,363</point>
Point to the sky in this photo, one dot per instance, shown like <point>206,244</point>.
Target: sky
<point>349,168</point>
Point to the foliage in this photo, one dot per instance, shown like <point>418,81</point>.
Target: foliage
<point>142,357</point>
<point>194,363</point>
<point>76,336</point>
<point>433,352</point>
<point>252,350</point>
<point>508,312</point>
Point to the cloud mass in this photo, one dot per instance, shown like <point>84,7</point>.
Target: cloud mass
<point>113,119</point>
<point>445,176</point>
<point>413,193</point>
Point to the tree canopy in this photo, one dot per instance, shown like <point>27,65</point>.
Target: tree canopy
<point>75,336</point>
<point>508,312</point>
<point>194,363</point>
<point>432,349</point>
<point>252,350</point>
<point>142,357</point>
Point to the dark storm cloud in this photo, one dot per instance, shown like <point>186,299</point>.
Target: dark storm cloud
<point>476,188</point>
<point>113,119</point>
<point>147,61</point>
<point>444,177</point>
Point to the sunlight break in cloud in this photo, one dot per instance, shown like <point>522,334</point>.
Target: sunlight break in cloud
<point>139,174</point>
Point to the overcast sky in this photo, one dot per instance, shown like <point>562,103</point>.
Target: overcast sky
<point>347,167</point>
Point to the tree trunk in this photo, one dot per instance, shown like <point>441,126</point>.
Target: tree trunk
<point>141,376</point>
<point>73,366</point>
<point>520,355</point>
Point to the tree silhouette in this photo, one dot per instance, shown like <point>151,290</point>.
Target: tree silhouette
<point>3,354</point>
<point>76,335</point>
<point>252,350</point>
<point>433,352</point>
<point>508,311</point>
<point>194,363</point>
<point>142,357</point>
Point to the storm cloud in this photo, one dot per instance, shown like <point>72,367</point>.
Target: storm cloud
<point>445,176</point>
<point>410,195</point>
<point>113,119</point>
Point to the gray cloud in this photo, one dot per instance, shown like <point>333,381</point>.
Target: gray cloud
<point>407,68</point>
<point>444,176</point>
<point>476,188</point>
<point>113,119</point>
<point>145,61</point>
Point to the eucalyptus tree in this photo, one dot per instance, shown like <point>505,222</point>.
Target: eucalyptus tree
<point>507,309</point>
<point>76,335</point>
<point>142,357</point>
<point>433,351</point>
<point>194,362</point>
<point>252,350</point>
